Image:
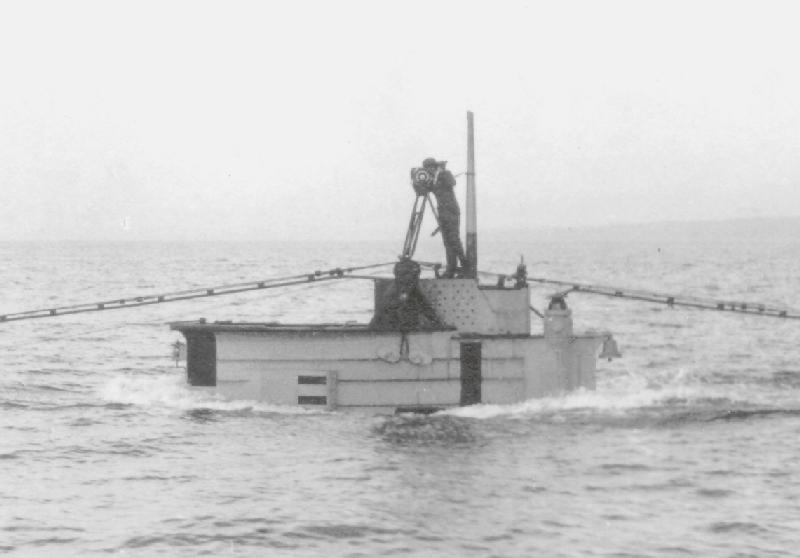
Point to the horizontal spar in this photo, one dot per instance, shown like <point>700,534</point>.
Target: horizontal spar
<point>752,308</point>
<point>219,290</point>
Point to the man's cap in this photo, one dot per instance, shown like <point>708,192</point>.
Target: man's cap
<point>429,162</point>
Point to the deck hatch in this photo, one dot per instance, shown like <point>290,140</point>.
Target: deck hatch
<point>201,358</point>
<point>312,400</point>
<point>471,355</point>
<point>312,380</point>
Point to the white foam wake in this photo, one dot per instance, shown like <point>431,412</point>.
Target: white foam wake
<point>171,392</point>
<point>633,393</point>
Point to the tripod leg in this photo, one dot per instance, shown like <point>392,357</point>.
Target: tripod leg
<point>414,224</point>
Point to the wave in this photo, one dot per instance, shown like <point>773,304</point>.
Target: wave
<point>170,392</point>
<point>680,396</point>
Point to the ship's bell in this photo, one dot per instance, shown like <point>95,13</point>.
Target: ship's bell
<point>610,349</point>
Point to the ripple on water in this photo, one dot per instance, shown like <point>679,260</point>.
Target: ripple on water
<point>51,540</point>
<point>264,533</point>
<point>12,405</point>
<point>714,492</point>
<point>345,531</point>
<point>746,527</point>
<point>198,541</point>
<point>673,550</point>
<point>623,468</point>
<point>744,414</point>
<point>786,378</point>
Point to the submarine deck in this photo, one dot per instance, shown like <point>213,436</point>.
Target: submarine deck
<point>276,327</point>
<point>341,328</point>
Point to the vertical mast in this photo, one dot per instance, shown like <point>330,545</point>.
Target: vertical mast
<point>472,219</point>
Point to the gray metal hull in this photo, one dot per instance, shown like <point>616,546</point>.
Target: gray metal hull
<point>355,368</point>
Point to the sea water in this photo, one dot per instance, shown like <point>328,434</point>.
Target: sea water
<point>690,446</point>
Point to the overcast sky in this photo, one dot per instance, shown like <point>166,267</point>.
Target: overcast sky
<point>268,120</point>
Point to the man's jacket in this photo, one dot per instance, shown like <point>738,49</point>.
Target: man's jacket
<point>445,197</point>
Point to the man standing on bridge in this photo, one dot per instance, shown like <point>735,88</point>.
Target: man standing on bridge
<point>449,214</point>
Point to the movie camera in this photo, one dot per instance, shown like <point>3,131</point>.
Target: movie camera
<point>424,178</point>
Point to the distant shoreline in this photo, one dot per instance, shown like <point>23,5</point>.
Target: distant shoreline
<point>750,229</point>
<point>743,229</point>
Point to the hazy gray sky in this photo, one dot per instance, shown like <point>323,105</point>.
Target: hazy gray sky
<point>268,120</point>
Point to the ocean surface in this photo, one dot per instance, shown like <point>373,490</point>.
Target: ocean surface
<point>690,446</point>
